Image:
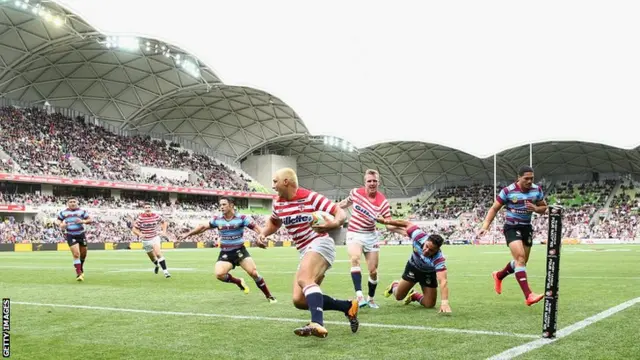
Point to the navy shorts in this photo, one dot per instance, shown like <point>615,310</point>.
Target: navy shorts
<point>80,239</point>
<point>415,275</point>
<point>235,257</point>
<point>519,232</point>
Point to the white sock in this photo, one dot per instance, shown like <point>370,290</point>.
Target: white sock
<point>359,293</point>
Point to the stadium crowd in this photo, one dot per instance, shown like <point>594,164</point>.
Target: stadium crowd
<point>112,219</point>
<point>42,143</point>
<point>113,216</point>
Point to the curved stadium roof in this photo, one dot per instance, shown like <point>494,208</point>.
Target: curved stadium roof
<point>72,65</point>
<point>408,167</point>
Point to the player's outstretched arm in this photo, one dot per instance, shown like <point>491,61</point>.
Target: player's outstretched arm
<point>399,223</point>
<point>444,291</point>
<point>198,230</point>
<point>272,225</point>
<point>345,203</point>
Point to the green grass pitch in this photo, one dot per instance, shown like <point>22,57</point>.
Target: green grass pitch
<point>130,313</point>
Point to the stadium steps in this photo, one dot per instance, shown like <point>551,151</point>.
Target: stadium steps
<point>595,218</point>
<point>78,165</point>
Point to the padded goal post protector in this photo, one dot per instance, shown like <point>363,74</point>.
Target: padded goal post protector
<point>554,242</point>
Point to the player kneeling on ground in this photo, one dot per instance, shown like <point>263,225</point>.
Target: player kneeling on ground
<point>426,266</point>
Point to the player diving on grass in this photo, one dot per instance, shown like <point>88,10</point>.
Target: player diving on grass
<point>148,227</point>
<point>71,222</point>
<point>362,237</point>
<point>521,199</point>
<point>233,253</point>
<point>294,210</point>
<point>426,266</point>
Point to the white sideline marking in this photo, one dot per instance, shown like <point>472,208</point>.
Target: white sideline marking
<point>150,270</point>
<point>525,348</point>
<point>245,317</point>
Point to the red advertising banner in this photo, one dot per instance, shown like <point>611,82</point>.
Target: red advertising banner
<point>54,180</point>
<point>9,207</point>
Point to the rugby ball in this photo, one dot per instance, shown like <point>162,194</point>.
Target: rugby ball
<point>319,217</point>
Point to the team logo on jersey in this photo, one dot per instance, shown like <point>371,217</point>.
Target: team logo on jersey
<point>297,219</point>
<point>514,199</point>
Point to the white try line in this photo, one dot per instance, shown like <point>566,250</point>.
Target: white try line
<point>263,318</point>
<point>525,348</point>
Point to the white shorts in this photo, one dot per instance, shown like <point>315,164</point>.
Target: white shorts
<point>325,246</point>
<point>148,244</point>
<point>368,241</point>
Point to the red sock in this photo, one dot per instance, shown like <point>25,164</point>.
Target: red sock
<point>507,270</point>
<point>521,276</point>
<point>232,279</point>
<point>78,268</point>
<point>262,285</point>
<point>417,297</point>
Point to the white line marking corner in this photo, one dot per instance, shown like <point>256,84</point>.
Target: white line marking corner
<point>564,332</point>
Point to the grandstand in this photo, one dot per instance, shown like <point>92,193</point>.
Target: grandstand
<point>115,121</point>
<point>103,113</point>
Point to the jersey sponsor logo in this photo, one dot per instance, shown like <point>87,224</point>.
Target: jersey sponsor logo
<point>228,227</point>
<point>363,211</point>
<point>297,219</point>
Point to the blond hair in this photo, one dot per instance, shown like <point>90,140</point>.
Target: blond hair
<point>288,173</point>
<point>371,172</point>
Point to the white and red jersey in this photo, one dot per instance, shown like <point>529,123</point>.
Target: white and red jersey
<point>366,210</point>
<point>296,215</point>
<point>149,225</point>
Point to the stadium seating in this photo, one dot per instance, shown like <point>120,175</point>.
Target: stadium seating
<point>581,201</point>
<point>111,219</point>
<point>42,143</point>
<point>450,202</point>
<point>622,220</point>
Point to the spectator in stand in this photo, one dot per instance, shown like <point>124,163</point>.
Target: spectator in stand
<point>44,143</point>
